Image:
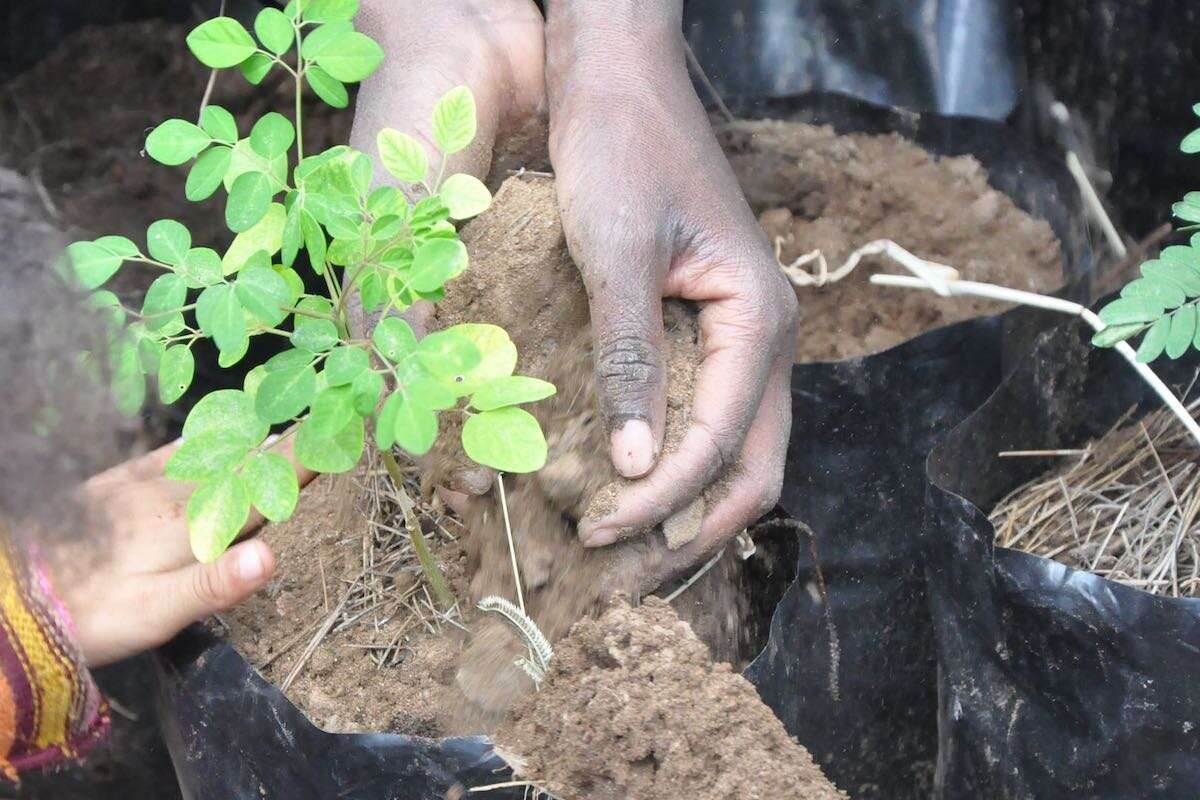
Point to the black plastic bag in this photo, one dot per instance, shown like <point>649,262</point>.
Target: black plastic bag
<point>862,430</point>
<point>1054,682</point>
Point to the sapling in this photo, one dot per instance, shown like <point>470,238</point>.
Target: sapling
<point>287,207</point>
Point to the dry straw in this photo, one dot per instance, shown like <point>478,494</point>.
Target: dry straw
<point>1127,509</point>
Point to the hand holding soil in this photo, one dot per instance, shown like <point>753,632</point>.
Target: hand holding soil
<point>651,209</point>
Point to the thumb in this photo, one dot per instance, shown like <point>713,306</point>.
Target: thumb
<point>198,590</point>
<point>630,375</point>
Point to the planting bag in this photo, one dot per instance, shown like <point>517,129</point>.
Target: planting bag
<point>853,678</point>
<point>1053,682</point>
<point>956,57</point>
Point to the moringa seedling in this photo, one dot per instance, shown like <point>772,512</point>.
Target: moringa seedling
<point>292,211</point>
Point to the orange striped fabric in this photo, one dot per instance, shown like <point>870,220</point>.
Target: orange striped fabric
<point>50,709</point>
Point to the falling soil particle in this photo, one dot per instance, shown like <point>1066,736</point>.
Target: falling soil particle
<point>816,190</point>
<point>634,707</point>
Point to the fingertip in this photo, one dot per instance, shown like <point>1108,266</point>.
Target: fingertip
<point>597,537</point>
<point>253,564</point>
<point>633,449</point>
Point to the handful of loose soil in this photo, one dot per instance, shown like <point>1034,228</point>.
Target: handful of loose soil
<point>634,706</point>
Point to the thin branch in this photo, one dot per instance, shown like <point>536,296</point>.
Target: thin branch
<point>1005,295</point>
<point>512,548</point>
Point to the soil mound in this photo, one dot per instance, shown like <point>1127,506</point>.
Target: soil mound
<point>816,190</point>
<point>634,707</point>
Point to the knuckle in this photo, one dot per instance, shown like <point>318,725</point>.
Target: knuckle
<point>206,587</point>
<point>722,448</point>
<point>627,369</point>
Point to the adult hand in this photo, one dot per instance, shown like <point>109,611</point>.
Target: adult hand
<point>652,209</point>
<point>134,583</point>
<point>495,47</point>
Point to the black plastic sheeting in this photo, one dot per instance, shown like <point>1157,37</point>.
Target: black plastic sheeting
<point>863,429</point>
<point>1054,682</point>
<point>946,56</point>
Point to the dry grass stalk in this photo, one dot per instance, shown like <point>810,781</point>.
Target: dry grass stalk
<point>1128,509</point>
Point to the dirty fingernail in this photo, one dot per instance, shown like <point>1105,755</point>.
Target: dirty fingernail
<point>600,537</point>
<point>250,566</point>
<point>633,449</point>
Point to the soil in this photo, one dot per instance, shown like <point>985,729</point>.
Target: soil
<point>816,190</point>
<point>633,706</point>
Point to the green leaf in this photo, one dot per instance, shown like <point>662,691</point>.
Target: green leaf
<point>511,391</point>
<point>288,359</point>
<point>335,454</point>
<point>118,246</point>
<point>498,357</point>
<point>430,394</point>
<point>164,298</point>
<point>128,383</point>
<point>1183,330</point>
<point>368,388</point>
<point>249,200</point>
<point>226,409</point>
<point>245,158</point>
<point>1178,265</point>
<point>435,262</point>
<point>201,267</point>
<point>168,241</point>
<point>207,455</point>
<point>394,338</point>
<point>175,142</point>
<point>1114,334</point>
<point>219,124</point>
<point>1187,211</point>
<point>344,364</point>
<point>1156,289</point>
<point>216,513</point>
<point>1191,143</point>
<point>387,201</point>
<point>1155,341</point>
<point>314,242</point>
<point>283,395</point>
<point>232,355</point>
<point>207,173</point>
<point>264,293</point>
<point>454,120</point>
<point>388,227</point>
<point>315,335</point>
<point>150,351</point>
<point>220,315</point>
<point>266,236</point>
<point>253,380</point>
<point>274,488</point>
<point>322,38</point>
<point>326,87</point>
<point>274,30</point>
<point>411,426</point>
<point>291,279</point>
<point>221,43</point>
<point>448,353</point>
<point>402,155</point>
<point>330,10</point>
<point>465,196</point>
<point>92,264</point>
<point>256,68</point>
<point>508,440</point>
<point>293,236</point>
<point>175,371</point>
<point>272,135</point>
<point>350,57</point>
<point>1129,310</point>
<point>332,411</point>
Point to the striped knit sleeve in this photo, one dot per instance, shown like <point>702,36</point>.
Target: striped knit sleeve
<point>50,708</point>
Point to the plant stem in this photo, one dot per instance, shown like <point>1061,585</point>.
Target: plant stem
<point>437,581</point>
<point>1003,294</point>
<point>512,548</point>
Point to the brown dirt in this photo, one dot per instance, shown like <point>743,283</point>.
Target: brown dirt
<point>634,707</point>
<point>320,551</point>
<point>816,190</point>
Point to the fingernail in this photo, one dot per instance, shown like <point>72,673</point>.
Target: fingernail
<point>600,537</point>
<point>633,449</point>
<point>250,566</point>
